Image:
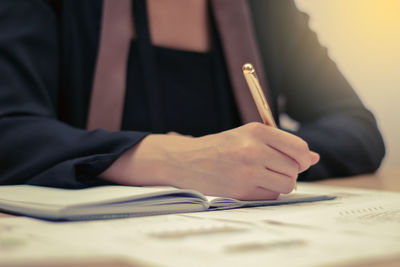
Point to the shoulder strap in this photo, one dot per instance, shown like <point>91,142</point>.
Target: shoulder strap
<point>238,39</point>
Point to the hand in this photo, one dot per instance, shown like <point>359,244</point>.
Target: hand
<point>250,162</point>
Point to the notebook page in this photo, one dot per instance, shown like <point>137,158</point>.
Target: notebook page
<point>295,197</point>
<point>70,197</point>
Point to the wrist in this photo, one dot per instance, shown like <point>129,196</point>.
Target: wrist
<point>143,164</point>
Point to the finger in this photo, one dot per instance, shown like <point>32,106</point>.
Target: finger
<point>281,163</point>
<point>259,193</point>
<point>290,145</point>
<point>276,161</point>
<point>315,157</point>
<point>274,181</point>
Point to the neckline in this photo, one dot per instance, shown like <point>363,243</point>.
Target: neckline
<point>135,41</point>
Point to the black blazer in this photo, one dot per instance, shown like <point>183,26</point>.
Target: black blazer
<point>47,60</point>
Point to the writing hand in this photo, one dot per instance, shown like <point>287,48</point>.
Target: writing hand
<point>250,162</point>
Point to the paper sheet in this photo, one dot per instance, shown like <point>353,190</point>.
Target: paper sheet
<point>360,224</point>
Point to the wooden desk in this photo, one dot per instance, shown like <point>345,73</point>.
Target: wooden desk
<point>384,179</point>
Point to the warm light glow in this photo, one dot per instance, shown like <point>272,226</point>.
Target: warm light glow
<point>363,37</point>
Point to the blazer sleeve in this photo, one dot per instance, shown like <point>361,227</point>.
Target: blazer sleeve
<point>332,118</point>
<point>35,147</point>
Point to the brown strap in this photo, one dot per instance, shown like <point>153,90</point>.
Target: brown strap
<point>108,92</point>
<point>239,44</point>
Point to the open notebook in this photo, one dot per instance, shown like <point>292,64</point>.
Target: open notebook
<point>122,201</point>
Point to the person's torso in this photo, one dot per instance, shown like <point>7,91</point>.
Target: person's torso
<point>191,87</point>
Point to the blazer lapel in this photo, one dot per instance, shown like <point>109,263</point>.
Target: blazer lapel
<point>238,39</point>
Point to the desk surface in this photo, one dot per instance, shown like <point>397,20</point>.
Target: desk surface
<point>384,179</point>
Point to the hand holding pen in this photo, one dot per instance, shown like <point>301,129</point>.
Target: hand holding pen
<point>261,102</point>
<point>251,162</point>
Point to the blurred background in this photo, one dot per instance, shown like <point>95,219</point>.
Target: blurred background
<point>363,38</point>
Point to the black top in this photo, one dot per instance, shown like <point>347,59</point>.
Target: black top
<point>173,90</point>
<point>47,61</point>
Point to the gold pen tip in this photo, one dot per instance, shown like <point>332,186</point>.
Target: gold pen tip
<point>248,68</point>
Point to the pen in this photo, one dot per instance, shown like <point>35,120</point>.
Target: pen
<point>258,96</point>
